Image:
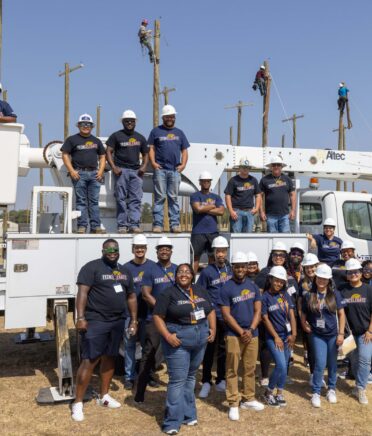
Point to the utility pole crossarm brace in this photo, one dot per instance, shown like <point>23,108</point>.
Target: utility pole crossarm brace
<point>294,130</point>
<point>165,91</point>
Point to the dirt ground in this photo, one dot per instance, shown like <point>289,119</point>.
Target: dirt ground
<point>26,368</point>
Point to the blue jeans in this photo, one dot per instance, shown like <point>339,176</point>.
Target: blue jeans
<point>281,359</point>
<point>166,185</point>
<point>87,195</point>
<point>244,223</point>
<point>278,224</point>
<point>364,362</point>
<point>130,349</point>
<point>325,355</point>
<point>128,193</point>
<point>182,363</point>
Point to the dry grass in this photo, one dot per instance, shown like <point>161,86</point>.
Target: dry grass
<point>26,368</point>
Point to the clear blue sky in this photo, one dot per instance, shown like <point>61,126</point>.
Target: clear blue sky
<point>210,52</point>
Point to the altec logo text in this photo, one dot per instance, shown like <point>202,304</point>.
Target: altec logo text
<point>335,156</point>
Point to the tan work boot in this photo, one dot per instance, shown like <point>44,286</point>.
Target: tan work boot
<point>81,230</point>
<point>136,230</point>
<point>176,229</point>
<point>98,231</point>
<point>157,229</point>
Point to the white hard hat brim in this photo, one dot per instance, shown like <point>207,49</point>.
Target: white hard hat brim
<point>271,163</point>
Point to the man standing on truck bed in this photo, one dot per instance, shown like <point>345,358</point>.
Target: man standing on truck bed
<point>279,191</point>
<point>80,154</point>
<point>6,112</point>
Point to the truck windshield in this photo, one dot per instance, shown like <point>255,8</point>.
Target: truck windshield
<point>358,219</point>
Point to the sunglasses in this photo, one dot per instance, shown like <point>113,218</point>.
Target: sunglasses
<point>279,255</point>
<point>367,271</point>
<point>85,125</point>
<point>129,120</point>
<point>353,273</point>
<point>110,250</point>
<point>184,272</point>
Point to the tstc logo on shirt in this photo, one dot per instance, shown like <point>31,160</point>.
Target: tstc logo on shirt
<point>273,307</point>
<point>167,278</point>
<point>195,300</point>
<point>139,278</point>
<point>208,202</point>
<point>169,137</point>
<point>355,298</point>
<point>130,143</point>
<point>245,187</point>
<point>116,275</point>
<point>245,294</point>
<point>224,277</point>
<point>278,184</point>
<point>89,145</point>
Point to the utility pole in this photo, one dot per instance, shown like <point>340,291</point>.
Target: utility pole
<point>41,171</point>
<point>293,119</point>
<point>5,95</point>
<point>283,140</point>
<point>66,73</point>
<point>239,106</point>
<point>98,121</point>
<point>165,92</point>
<point>266,107</point>
<point>341,147</point>
<point>156,89</point>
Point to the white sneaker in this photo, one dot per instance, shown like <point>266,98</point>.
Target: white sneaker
<point>362,396</point>
<point>204,391</point>
<point>221,386</point>
<point>234,413</point>
<point>192,423</point>
<point>331,396</point>
<point>264,382</point>
<point>107,401</point>
<point>77,412</point>
<point>315,400</point>
<point>311,380</point>
<point>252,405</point>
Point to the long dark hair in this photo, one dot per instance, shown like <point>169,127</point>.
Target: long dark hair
<point>329,299</point>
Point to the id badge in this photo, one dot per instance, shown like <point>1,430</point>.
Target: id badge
<point>288,327</point>
<point>118,288</point>
<point>196,315</point>
<point>320,323</point>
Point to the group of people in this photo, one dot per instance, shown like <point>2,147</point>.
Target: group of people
<point>233,308</point>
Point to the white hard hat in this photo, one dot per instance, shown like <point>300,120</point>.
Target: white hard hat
<point>324,271</point>
<point>299,246</point>
<point>352,264</point>
<point>276,160</point>
<point>347,244</point>
<point>244,162</point>
<point>85,118</point>
<point>128,114</point>
<point>341,84</point>
<point>310,259</point>
<point>239,257</point>
<point>139,240</point>
<point>279,246</point>
<point>168,109</point>
<point>263,67</point>
<point>205,175</point>
<point>329,222</point>
<point>1,87</point>
<point>220,242</point>
<point>279,272</point>
<point>164,240</point>
<point>251,257</point>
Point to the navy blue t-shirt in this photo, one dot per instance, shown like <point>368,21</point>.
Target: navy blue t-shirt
<point>330,318</point>
<point>106,300</point>
<point>328,249</point>
<point>278,308</point>
<point>127,148</point>
<point>6,110</point>
<point>240,297</point>
<point>158,278</point>
<point>242,191</point>
<point>138,271</point>
<point>84,150</point>
<point>203,222</point>
<point>213,278</point>
<point>168,144</point>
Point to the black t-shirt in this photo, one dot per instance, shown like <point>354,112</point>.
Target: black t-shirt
<point>127,148</point>
<point>276,190</point>
<point>339,274</point>
<point>358,307</point>
<point>242,191</point>
<point>84,150</point>
<point>175,307</point>
<point>109,289</point>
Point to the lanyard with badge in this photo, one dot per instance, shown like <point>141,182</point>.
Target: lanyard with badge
<point>197,312</point>
<point>117,286</point>
<point>220,273</point>
<point>170,278</point>
<point>284,306</point>
<point>320,322</point>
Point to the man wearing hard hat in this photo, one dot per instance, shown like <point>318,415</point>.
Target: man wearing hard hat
<point>7,114</point>
<point>145,38</point>
<point>260,80</point>
<point>243,199</point>
<point>279,191</point>
<point>206,207</point>
<point>124,150</point>
<point>168,156</point>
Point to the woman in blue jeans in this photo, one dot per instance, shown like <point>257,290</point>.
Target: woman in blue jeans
<point>323,318</point>
<point>186,321</point>
<point>280,323</point>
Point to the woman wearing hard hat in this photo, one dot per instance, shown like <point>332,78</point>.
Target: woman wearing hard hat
<point>281,330</point>
<point>357,297</point>
<point>323,317</point>
<point>328,244</point>
<point>347,252</point>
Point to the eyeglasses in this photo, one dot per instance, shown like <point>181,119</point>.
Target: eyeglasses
<point>185,272</point>
<point>279,255</point>
<point>85,125</point>
<point>367,271</point>
<point>129,120</point>
<point>328,228</point>
<point>297,253</point>
<point>111,250</point>
<point>353,273</point>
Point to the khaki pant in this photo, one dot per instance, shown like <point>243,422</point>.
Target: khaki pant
<point>236,351</point>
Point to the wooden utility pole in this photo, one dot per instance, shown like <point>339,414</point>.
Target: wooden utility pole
<point>239,106</point>
<point>293,119</point>
<point>66,73</point>
<point>41,171</point>
<point>266,107</point>
<point>98,121</point>
<point>341,147</point>
<point>165,92</point>
<point>156,88</point>
<point>283,140</point>
<point>5,95</point>
<point>231,135</point>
